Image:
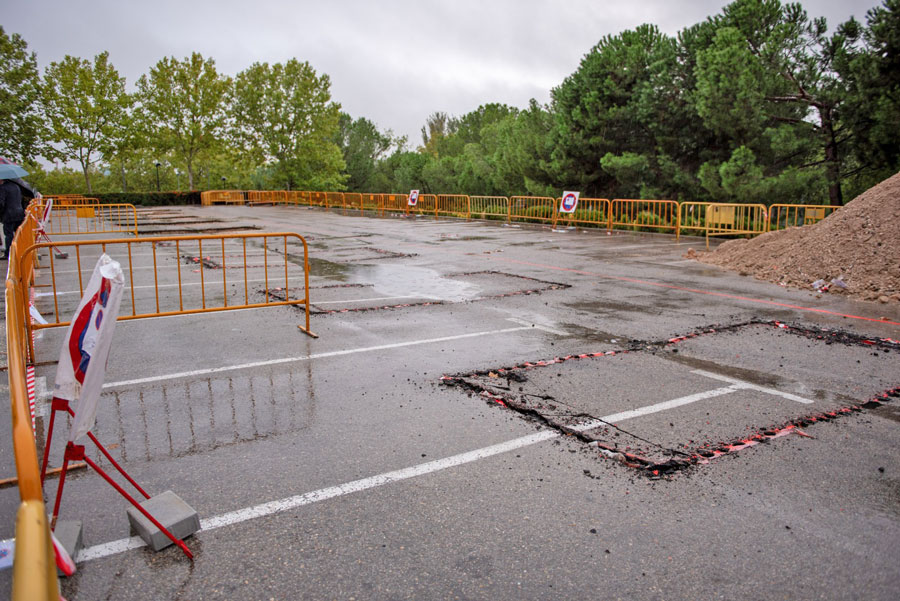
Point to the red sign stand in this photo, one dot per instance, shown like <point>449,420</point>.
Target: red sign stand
<point>75,452</point>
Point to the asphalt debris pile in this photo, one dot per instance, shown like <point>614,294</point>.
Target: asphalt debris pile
<point>853,251</point>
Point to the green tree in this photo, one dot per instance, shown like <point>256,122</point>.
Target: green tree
<point>183,103</point>
<point>604,108</point>
<point>283,114</point>
<point>522,153</point>
<point>85,105</point>
<point>437,128</point>
<point>362,146</point>
<point>873,108</point>
<point>21,123</point>
<point>770,68</point>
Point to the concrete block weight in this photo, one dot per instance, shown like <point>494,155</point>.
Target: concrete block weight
<point>169,510</point>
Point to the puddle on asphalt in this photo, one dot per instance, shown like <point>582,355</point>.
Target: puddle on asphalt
<point>396,280</point>
<point>406,280</point>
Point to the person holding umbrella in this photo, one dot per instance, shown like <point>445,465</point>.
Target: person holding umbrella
<point>15,194</point>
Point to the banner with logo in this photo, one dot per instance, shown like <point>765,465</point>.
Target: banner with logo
<point>82,361</point>
<point>413,197</point>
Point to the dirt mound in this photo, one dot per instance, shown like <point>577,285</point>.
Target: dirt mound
<point>858,243</point>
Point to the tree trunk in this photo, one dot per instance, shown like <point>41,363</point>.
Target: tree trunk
<point>190,170</point>
<point>87,178</point>
<point>832,159</point>
<point>124,182</point>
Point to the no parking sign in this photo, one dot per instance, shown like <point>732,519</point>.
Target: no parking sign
<point>569,202</point>
<point>413,197</point>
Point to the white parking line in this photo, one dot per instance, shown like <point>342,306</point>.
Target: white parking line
<point>742,385</point>
<point>664,406</point>
<point>366,349</point>
<point>273,507</point>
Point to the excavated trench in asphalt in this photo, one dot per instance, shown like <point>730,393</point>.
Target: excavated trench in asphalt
<point>505,386</point>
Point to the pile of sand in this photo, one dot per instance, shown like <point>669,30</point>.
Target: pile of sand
<point>859,243</point>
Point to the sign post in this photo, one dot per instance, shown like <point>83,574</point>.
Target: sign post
<point>79,381</point>
<point>569,202</point>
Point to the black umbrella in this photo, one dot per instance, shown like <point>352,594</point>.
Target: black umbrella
<point>27,190</point>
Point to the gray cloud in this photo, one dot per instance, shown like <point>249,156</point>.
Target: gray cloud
<point>393,61</point>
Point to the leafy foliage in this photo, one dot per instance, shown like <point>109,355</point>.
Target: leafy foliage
<point>86,106</point>
<point>21,123</point>
<point>283,113</point>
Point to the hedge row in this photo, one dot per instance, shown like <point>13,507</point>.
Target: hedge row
<point>148,199</point>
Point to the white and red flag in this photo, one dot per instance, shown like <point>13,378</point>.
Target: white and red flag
<point>82,361</point>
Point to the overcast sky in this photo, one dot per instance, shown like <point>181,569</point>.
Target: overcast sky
<point>392,61</point>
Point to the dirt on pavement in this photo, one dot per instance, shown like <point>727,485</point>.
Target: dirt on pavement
<point>857,245</point>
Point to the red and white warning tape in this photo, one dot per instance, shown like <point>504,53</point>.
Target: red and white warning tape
<point>29,381</point>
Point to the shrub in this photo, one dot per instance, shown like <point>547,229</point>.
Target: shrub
<point>150,198</point>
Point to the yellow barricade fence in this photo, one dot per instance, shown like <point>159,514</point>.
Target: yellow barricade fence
<point>489,207</point>
<point>782,216</point>
<point>535,209</point>
<point>723,219</point>
<point>372,202</point>
<point>353,200</point>
<point>91,219</point>
<point>211,197</point>
<point>590,212</point>
<point>71,199</point>
<point>267,197</point>
<point>394,203</point>
<point>452,205</point>
<point>692,217</point>
<point>644,214</point>
<point>334,199</point>
<point>318,199</point>
<point>174,288</point>
<point>34,568</point>
<point>426,205</point>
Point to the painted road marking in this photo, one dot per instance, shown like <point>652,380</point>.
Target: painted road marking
<point>537,326</point>
<point>366,349</point>
<point>663,406</point>
<point>742,385</point>
<point>273,507</point>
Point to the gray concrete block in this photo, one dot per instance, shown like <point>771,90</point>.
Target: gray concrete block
<point>68,533</point>
<point>170,511</point>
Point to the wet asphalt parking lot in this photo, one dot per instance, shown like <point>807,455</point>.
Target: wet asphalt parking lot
<point>489,412</point>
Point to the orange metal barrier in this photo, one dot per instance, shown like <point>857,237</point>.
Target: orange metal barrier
<point>395,203</point>
<point>71,199</point>
<point>644,214</point>
<point>724,219</point>
<point>540,209</point>
<point>177,289</point>
<point>211,197</point>
<point>334,199</point>
<point>452,205</point>
<point>267,197</point>
<point>352,200</point>
<point>590,212</point>
<point>91,219</point>
<point>489,207</point>
<point>318,199</point>
<point>427,204</point>
<point>782,216</point>
<point>34,568</point>
<point>372,202</point>
<point>692,217</point>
